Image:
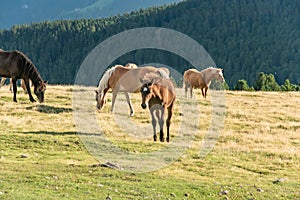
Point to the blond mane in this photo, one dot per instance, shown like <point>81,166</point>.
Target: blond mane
<point>103,83</point>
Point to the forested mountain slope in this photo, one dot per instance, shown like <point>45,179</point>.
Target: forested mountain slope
<point>243,37</point>
<point>28,11</point>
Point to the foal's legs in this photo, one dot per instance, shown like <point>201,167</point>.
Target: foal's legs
<point>26,82</point>
<point>127,95</point>
<point>191,91</point>
<point>154,122</point>
<point>161,119</point>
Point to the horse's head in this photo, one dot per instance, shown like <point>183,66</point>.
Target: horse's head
<point>219,75</point>
<point>39,90</point>
<point>146,92</point>
<point>100,100</point>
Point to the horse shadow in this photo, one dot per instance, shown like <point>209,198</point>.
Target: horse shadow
<point>49,109</point>
<point>51,132</point>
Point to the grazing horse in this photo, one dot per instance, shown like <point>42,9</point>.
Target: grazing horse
<point>159,95</point>
<point>124,79</point>
<point>2,83</point>
<point>194,79</point>
<point>16,65</point>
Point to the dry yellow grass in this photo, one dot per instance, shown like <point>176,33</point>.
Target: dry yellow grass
<point>259,144</point>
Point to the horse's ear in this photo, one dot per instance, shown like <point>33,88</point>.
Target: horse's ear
<point>46,82</point>
<point>141,81</point>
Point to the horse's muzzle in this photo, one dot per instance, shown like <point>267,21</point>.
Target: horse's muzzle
<point>144,106</point>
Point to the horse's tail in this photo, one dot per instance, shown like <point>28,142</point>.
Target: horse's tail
<point>184,82</point>
<point>164,72</point>
<point>103,83</point>
<point>131,65</point>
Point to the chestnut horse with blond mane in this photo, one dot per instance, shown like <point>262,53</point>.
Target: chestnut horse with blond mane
<point>192,78</point>
<point>159,95</point>
<point>124,79</point>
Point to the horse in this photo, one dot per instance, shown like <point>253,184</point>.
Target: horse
<point>124,79</point>
<point>159,95</point>
<point>2,83</point>
<point>131,65</point>
<point>194,79</point>
<point>16,65</point>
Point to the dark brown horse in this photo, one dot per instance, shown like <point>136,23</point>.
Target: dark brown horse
<point>15,65</point>
<point>159,95</point>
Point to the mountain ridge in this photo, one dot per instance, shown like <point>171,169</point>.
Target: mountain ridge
<point>32,11</point>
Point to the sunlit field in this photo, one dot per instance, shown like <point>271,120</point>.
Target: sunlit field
<point>256,156</point>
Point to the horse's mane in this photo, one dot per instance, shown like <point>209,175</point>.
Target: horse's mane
<point>29,68</point>
<point>164,72</point>
<point>210,68</point>
<point>103,83</point>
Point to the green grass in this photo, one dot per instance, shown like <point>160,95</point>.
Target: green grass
<point>42,157</point>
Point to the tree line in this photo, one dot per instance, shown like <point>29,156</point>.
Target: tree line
<point>243,37</point>
<point>266,82</point>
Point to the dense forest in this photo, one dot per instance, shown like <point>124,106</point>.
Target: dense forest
<point>243,37</point>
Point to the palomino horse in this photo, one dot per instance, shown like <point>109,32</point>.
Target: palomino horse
<point>15,65</point>
<point>195,79</point>
<point>124,79</point>
<point>2,83</point>
<point>159,95</point>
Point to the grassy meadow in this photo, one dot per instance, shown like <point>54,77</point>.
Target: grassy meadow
<point>257,155</point>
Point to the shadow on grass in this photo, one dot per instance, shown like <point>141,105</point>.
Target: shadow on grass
<point>51,132</point>
<point>49,109</point>
<point>64,133</point>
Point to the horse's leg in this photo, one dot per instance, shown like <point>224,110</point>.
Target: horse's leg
<point>185,88</point>
<point>153,123</point>
<point>168,121</point>
<point>205,92</point>
<point>127,95</point>
<point>23,85</point>
<point>191,91</point>
<point>202,91</point>
<point>2,81</point>
<point>161,124</point>
<point>14,83</point>
<point>26,82</point>
<point>114,96</point>
<point>10,85</point>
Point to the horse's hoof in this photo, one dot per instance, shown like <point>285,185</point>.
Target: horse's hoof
<point>131,114</point>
